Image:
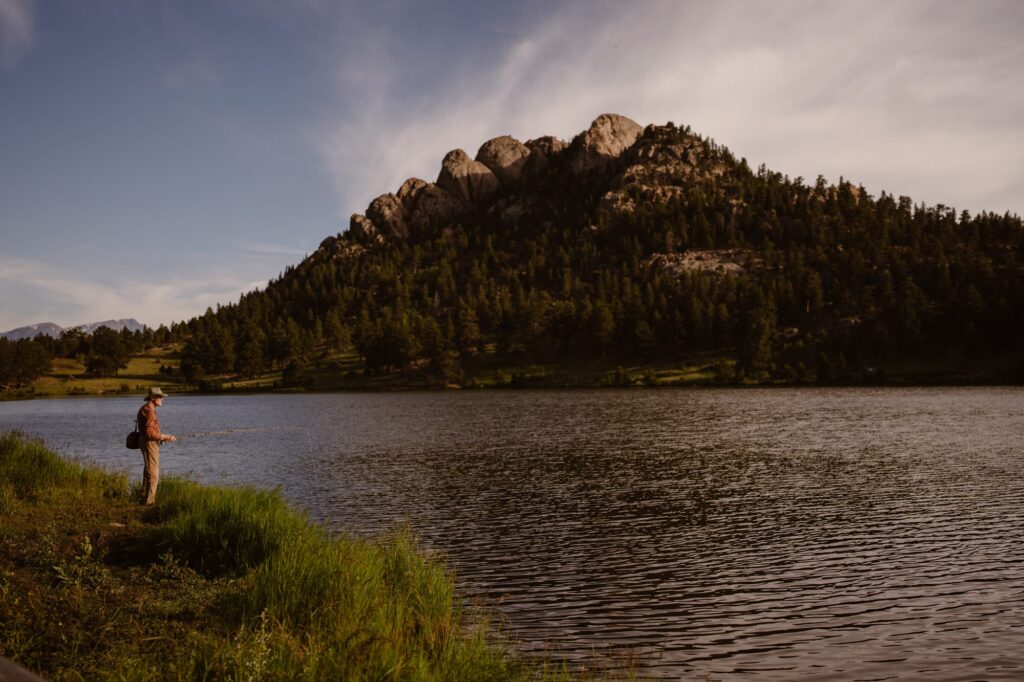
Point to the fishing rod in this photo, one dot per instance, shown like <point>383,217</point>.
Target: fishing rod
<point>251,429</point>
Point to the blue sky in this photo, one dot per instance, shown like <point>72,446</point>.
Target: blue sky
<point>159,157</point>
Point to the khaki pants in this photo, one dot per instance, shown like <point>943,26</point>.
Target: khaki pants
<point>150,470</point>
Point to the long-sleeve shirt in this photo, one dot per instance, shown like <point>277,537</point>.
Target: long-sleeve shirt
<point>149,425</point>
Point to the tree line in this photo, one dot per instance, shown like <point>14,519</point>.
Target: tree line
<point>104,352</point>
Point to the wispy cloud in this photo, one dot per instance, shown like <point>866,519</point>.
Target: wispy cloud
<point>16,31</point>
<point>50,294</point>
<point>916,98</point>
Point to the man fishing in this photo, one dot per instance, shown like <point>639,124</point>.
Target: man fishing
<point>150,439</point>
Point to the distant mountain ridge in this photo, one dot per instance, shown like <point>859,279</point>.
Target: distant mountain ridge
<point>54,330</point>
<point>30,331</point>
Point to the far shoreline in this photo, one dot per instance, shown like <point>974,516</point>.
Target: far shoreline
<point>346,373</point>
<point>638,387</point>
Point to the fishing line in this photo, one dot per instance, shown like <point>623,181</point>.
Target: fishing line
<point>224,432</point>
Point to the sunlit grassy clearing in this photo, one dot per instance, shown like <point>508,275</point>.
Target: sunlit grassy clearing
<point>68,377</point>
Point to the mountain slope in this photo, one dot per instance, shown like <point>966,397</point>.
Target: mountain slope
<point>30,331</point>
<point>628,245</point>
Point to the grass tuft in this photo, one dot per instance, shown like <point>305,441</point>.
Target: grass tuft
<point>219,530</point>
<point>30,470</point>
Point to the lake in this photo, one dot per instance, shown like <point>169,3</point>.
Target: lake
<point>834,534</point>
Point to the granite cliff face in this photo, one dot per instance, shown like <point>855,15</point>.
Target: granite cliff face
<point>653,163</point>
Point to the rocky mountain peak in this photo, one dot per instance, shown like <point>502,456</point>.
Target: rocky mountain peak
<point>501,164</point>
<point>606,138</point>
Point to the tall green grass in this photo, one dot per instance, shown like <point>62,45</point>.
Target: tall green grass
<point>319,607</point>
<point>270,595</point>
<point>28,470</point>
<point>218,530</point>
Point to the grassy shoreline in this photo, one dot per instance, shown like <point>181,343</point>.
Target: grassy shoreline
<point>343,373</point>
<point>218,583</point>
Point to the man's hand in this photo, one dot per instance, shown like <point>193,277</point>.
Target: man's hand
<point>169,439</point>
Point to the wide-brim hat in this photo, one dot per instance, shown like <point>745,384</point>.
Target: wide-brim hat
<point>155,392</point>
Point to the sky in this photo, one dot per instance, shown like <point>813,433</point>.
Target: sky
<point>159,157</point>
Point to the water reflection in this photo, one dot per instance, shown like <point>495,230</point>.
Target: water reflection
<point>829,534</point>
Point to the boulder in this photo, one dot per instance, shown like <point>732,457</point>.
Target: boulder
<point>542,151</point>
<point>388,214</point>
<point>409,188</point>
<point>466,179</point>
<point>425,204</point>
<point>506,157</point>
<point>608,136</point>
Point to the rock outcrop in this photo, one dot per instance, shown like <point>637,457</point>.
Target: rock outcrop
<point>338,248</point>
<point>410,188</point>
<point>506,157</point>
<point>659,167</point>
<point>505,162</point>
<point>388,214</point>
<point>362,229</point>
<point>732,262</point>
<point>426,205</point>
<point>468,180</point>
<point>608,136</point>
<point>543,151</point>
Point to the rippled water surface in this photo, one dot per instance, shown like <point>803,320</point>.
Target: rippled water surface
<point>769,534</point>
